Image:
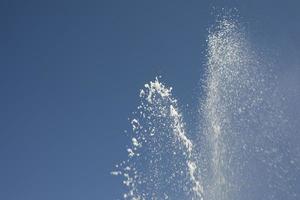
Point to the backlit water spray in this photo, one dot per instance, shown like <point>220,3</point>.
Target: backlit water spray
<point>241,151</point>
<point>160,161</point>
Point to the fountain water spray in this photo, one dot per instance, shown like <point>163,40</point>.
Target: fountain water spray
<point>243,127</point>
<point>242,151</point>
<point>160,163</point>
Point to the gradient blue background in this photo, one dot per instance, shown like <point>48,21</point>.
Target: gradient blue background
<point>70,72</point>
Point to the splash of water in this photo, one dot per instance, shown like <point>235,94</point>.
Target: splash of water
<point>242,151</point>
<point>161,163</point>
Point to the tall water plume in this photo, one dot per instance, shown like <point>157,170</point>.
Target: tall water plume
<point>243,140</point>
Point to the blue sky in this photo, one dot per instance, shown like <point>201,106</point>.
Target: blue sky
<point>70,72</point>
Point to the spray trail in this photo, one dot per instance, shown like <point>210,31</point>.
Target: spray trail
<point>160,162</point>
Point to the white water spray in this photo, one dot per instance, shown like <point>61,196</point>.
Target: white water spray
<point>241,152</point>
<point>161,153</point>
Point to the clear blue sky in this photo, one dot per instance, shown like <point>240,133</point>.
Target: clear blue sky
<point>70,72</point>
